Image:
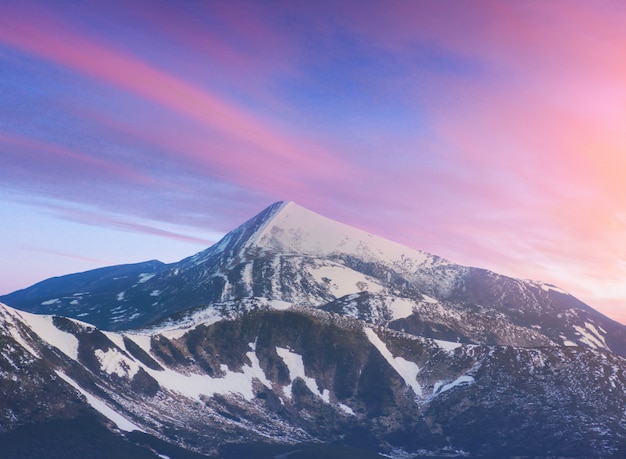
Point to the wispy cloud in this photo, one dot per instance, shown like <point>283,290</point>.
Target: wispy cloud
<point>255,142</point>
<point>69,255</point>
<point>490,132</point>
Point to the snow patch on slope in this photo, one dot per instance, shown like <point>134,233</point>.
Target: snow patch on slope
<point>45,329</point>
<point>119,420</point>
<point>113,361</point>
<point>547,287</point>
<point>449,346</point>
<point>145,277</point>
<point>440,387</point>
<point>233,382</point>
<point>342,281</point>
<point>11,320</point>
<point>407,370</point>
<point>591,336</point>
<point>49,302</point>
<point>296,370</point>
<point>400,307</point>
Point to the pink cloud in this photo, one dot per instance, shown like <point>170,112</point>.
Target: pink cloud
<point>66,255</point>
<point>44,155</point>
<point>522,169</point>
<point>125,224</point>
<point>259,146</point>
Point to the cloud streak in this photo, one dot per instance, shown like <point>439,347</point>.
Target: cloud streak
<point>269,149</point>
<point>488,133</point>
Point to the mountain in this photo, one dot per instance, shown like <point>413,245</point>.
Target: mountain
<point>288,255</point>
<point>297,336</point>
<point>305,377</point>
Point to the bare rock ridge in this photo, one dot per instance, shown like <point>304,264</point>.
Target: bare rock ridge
<point>299,336</point>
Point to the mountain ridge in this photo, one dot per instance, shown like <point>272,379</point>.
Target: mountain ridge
<point>283,377</point>
<point>295,330</point>
<point>290,255</point>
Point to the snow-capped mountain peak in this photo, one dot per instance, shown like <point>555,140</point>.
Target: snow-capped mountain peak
<point>294,229</point>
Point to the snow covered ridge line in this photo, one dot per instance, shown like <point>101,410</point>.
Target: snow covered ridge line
<point>294,229</point>
<point>43,327</point>
<point>274,210</point>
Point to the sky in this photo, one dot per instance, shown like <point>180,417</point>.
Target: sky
<point>491,133</point>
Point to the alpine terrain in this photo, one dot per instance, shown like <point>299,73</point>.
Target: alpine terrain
<point>296,336</point>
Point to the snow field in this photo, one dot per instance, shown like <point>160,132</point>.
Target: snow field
<point>440,387</point>
<point>308,233</point>
<point>196,385</point>
<point>120,421</point>
<point>45,329</point>
<point>344,281</point>
<point>296,370</point>
<point>407,370</point>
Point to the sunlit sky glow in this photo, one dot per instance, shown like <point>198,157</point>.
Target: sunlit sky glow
<point>492,133</point>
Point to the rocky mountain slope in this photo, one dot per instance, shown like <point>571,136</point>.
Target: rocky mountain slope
<point>293,377</point>
<point>296,336</point>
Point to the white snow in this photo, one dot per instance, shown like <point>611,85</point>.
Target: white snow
<point>592,329</point>
<point>344,281</point>
<point>209,315</point>
<point>246,278</point>
<point>178,329</point>
<point>117,338</point>
<point>296,370</point>
<point>195,385</point>
<point>546,287</point>
<point>294,229</point>
<point>143,341</point>
<point>280,305</point>
<point>461,380</point>
<point>12,317</point>
<point>591,336</point>
<point>18,337</point>
<point>119,420</point>
<point>346,409</point>
<point>407,370</point>
<point>428,299</point>
<point>43,326</point>
<point>49,302</point>
<point>447,345</point>
<point>145,277</point>
<point>401,307</point>
<point>113,361</point>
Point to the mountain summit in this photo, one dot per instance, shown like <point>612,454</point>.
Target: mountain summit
<point>299,336</point>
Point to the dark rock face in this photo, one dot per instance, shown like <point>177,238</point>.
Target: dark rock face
<point>276,340</point>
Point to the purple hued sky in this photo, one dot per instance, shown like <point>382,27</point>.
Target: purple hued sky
<point>492,133</point>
